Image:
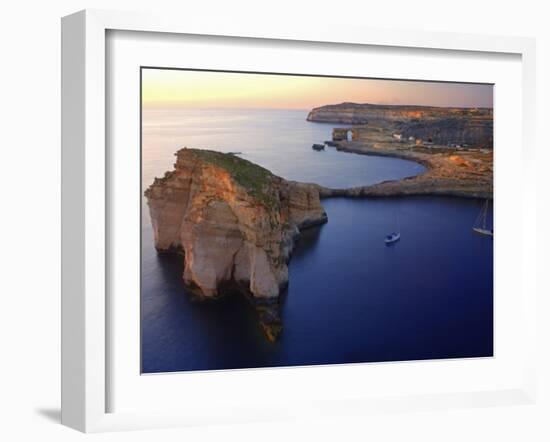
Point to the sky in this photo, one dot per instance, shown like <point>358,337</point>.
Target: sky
<point>183,88</point>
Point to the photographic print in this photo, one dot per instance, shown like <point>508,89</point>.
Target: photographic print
<point>294,220</point>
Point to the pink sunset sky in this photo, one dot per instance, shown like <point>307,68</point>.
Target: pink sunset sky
<point>184,88</point>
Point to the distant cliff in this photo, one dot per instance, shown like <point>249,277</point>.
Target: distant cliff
<point>354,113</point>
<point>471,131</point>
<point>235,222</point>
<point>437,125</point>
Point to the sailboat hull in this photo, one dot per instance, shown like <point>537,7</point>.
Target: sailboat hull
<point>483,231</point>
<point>392,238</point>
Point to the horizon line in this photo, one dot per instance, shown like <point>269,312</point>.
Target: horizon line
<point>190,106</point>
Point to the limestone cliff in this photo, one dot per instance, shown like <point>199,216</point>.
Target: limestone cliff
<point>235,222</point>
<point>437,125</point>
<point>472,131</point>
<point>362,113</point>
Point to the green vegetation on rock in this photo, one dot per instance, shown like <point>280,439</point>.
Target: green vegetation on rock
<point>255,179</point>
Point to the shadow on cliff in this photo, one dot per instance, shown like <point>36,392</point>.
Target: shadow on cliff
<point>309,239</point>
<point>305,247</point>
<point>230,318</point>
<point>170,313</point>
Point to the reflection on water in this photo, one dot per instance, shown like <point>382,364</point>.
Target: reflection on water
<point>307,242</point>
<point>277,140</point>
<point>350,298</point>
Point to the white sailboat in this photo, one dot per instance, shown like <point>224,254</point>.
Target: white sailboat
<point>480,224</point>
<point>394,236</point>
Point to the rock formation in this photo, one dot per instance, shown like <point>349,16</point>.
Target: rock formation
<point>355,113</point>
<point>440,125</point>
<point>236,224</point>
<point>467,174</point>
<point>463,131</point>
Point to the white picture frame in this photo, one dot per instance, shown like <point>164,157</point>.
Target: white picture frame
<point>85,199</point>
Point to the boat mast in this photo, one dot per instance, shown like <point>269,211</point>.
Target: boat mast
<point>481,220</point>
<point>484,218</point>
<point>480,225</point>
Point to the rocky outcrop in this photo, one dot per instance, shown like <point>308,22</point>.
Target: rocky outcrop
<point>435,125</point>
<point>467,174</point>
<point>355,113</point>
<point>236,224</point>
<point>463,131</point>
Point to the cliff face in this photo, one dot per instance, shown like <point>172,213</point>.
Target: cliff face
<point>438,125</point>
<point>472,131</point>
<point>354,113</point>
<point>235,222</point>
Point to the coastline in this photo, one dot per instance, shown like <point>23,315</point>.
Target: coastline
<point>449,172</point>
<point>318,252</point>
<point>454,144</point>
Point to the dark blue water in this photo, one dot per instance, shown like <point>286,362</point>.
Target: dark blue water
<point>351,298</point>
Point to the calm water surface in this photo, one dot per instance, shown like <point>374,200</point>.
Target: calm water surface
<point>278,140</point>
<point>351,298</point>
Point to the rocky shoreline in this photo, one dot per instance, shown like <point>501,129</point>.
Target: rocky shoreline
<point>454,144</point>
<point>466,174</point>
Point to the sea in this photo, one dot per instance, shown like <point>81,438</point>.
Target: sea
<point>351,298</point>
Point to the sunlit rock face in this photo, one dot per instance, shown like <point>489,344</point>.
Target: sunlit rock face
<point>235,222</point>
<point>463,131</point>
<point>362,113</point>
<point>440,125</point>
